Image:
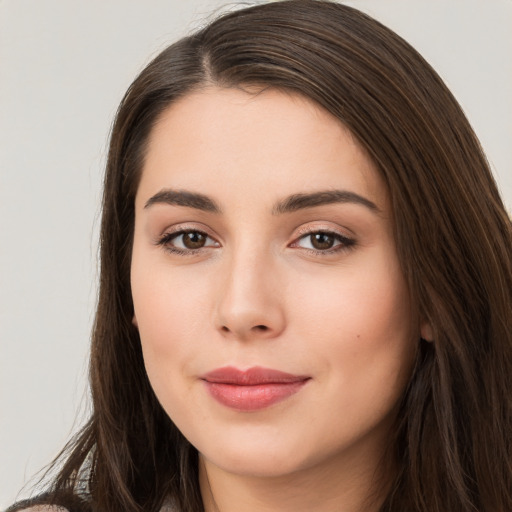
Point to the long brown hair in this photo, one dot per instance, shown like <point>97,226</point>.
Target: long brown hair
<point>453,436</point>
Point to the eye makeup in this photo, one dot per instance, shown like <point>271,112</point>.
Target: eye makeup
<point>189,241</point>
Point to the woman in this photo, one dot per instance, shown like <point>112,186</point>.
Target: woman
<point>306,283</point>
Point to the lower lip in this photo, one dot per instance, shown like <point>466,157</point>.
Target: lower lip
<point>255,397</point>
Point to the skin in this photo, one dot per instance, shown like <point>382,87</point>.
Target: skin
<point>258,294</point>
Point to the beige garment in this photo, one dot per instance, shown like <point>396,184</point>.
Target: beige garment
<point>53,508</point>
<point>44,508</point>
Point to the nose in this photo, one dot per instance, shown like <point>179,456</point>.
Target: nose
<point>250,302</point>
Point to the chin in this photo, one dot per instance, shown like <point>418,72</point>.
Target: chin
<point>258,463</point>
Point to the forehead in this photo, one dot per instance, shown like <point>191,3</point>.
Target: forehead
<point>270,141</point>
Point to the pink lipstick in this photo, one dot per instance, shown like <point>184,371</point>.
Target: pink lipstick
<point>251,389</point>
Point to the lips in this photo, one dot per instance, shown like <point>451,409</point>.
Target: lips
<point>252,389</point>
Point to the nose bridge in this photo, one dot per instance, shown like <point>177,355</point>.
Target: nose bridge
<point>249,301</point>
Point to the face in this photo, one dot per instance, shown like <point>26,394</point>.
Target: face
<point>274,319</point>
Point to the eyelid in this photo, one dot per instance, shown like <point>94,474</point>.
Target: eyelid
<point>323,228</point>
<point>184,227</point>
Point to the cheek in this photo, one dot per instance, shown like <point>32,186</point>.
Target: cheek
<point>359,321</point>
<point>368,302</point>
<point>170,311</point>
<point>167,316</point>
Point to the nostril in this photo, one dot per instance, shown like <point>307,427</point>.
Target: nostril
<point>261,327</point>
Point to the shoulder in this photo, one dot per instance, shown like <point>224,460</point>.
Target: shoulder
<point>58,508</point>
<point>42,508</point>
<point>51,503</point>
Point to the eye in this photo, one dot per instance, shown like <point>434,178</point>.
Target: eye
<point>324,241</point>
<point>189,240</point>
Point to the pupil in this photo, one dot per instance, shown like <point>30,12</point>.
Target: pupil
<point>322,241</point>
<point>193,240</point>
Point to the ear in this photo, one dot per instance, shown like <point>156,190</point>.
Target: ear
<point>134,321</point>
<point>426,332</point>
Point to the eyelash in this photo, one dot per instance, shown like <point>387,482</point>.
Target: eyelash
<point>345,243</point>
<point>166,240</point>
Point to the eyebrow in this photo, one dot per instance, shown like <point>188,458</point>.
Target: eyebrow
<point>290,204</point>
<point>184,198</point>
<point>302,201</point>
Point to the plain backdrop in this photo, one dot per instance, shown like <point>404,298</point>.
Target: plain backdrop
<point>64,65</point>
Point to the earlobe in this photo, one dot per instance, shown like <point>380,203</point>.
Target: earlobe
<point>426,332</point>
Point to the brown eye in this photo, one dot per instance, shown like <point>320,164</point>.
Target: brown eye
<point>322,241</point>
<point>184,241</point>
<point>193,239</point>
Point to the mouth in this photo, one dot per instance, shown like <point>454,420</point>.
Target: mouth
<point>252,389</point>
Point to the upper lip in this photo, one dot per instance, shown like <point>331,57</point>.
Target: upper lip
<point>251,376</point>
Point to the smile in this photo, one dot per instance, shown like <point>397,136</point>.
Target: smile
<point>252,389</point>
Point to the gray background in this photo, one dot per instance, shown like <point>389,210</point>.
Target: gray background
<point>64,65</point>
